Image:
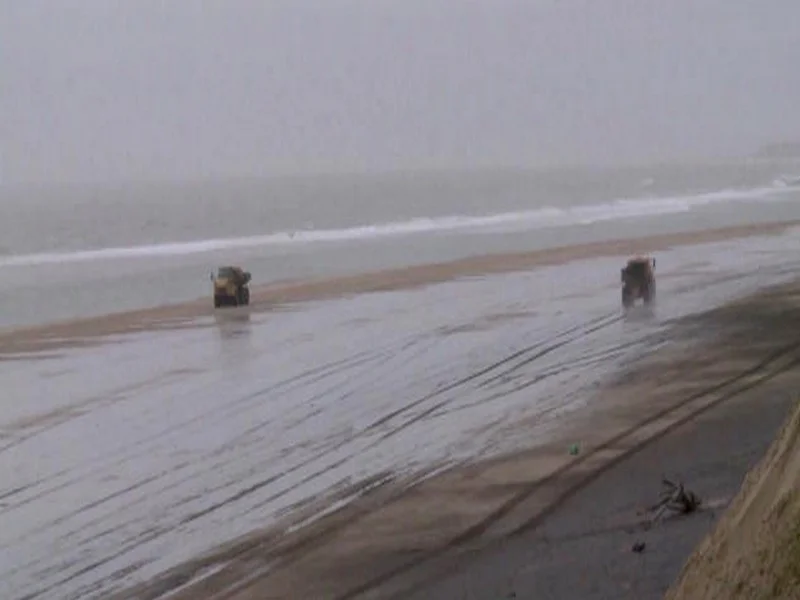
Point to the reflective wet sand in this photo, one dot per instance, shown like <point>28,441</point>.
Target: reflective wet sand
<point>123,455</point>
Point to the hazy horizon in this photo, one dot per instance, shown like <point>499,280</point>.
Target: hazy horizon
<point>145,91</point>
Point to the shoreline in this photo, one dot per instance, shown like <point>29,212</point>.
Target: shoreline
<point>398,538</point>
<point>26,339</point>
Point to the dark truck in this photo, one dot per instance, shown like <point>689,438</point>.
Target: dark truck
<point>639,281</point>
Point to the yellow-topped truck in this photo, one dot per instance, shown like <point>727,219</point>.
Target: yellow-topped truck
<point>231,286</point>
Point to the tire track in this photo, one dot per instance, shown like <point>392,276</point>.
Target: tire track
<point>360,361</point>
<point>516,500</point>
<point>604,321</point>
<point>548,350</point>
<point>318,374</point>
<point>322,452</point>
<point>590,359</point>
<point>123,455</point>
<point>594,325</point>
<point>441,404</point>
<point>355,361</point>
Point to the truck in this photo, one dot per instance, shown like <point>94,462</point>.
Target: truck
<point>230,285</point>
<point>638,281</point>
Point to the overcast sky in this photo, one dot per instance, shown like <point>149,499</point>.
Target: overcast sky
<point>139,89</point>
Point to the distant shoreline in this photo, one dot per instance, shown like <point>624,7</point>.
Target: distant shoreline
<point>265,297</point>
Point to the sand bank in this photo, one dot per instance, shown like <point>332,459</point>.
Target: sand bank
<point>266,297</point>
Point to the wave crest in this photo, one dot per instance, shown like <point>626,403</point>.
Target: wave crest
<point>537,218</point>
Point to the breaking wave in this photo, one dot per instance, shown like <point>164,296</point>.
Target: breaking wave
<point>787,181</point>
<point>538,218</point>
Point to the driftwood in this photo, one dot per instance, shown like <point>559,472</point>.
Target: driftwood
<point>675,498</point>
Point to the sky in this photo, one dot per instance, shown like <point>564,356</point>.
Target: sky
<point>101,90</point>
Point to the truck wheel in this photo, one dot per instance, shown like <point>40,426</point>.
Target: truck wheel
<point>246,297</point>
<point>650,294</point>
<point>217,302</point>
<point>627,299</point>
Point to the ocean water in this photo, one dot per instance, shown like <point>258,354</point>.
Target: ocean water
<point>75,251</point>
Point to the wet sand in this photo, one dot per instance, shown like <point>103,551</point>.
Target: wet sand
<point>754,549</point>
<point>265,297</point>
<point>433,417</point>
<point>518,526</point>
<point>583,547</point>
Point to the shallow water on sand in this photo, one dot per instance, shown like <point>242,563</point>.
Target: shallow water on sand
<point>76,252</point>
<point>120,460</point>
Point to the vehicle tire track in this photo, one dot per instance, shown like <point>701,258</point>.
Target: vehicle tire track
<point>362,360</point>
<point>241,493</point>
<point>548,350</point>
<point>603,321</point>
<point>123,455</point>
<point>589,359</point>
<point>516,500</point>
<point>594,325</point>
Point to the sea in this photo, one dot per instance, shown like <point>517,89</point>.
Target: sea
<point>70,251</point>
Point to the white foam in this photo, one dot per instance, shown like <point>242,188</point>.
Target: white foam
<point>787,181</point>
<point>528,219</point>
